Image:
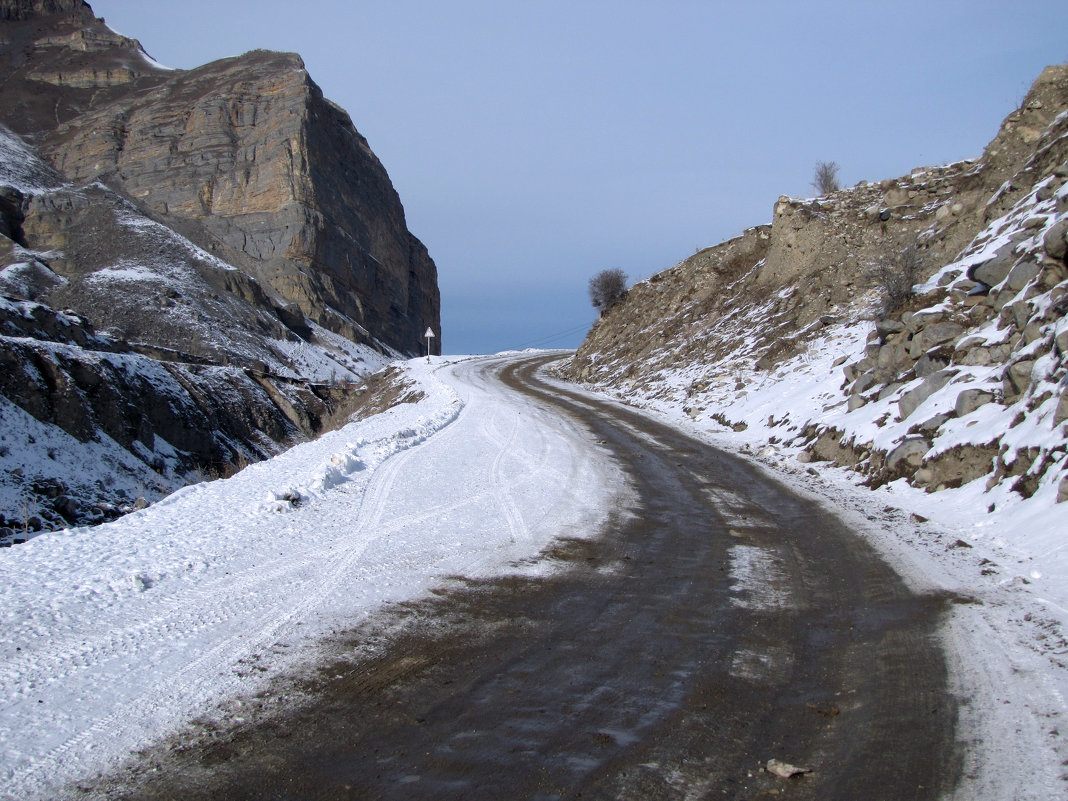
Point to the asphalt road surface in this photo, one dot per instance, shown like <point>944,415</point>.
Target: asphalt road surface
<point>720,623</point>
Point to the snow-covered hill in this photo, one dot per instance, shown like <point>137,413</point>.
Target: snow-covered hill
<point>935,422</point>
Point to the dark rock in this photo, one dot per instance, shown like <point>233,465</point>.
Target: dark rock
<point>930,363</point>
<point>912,400</point>
<point>887,327</point>
<point>909,454</point>
<point>1018,375</point>
<point>30,9</point>
<point>1056,239</point>
<point>1022,274</point>
<point>932,335</point>
<point>932,424</point>
<point>994,271</point>
<point>971,399</point>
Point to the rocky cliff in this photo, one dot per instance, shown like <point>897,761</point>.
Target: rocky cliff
<point>912,328</point>
<point>243,156</point>
<point>214,251</point>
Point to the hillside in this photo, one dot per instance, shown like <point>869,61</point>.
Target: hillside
<point>787,338</point>
<point>192,262</point>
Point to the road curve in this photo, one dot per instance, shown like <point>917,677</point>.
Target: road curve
<point>721,623</point>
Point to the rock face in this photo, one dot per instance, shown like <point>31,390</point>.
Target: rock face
<point>243,156</point>
<point>274,178</point>
<point>195,266</point>
<point>976,345</point>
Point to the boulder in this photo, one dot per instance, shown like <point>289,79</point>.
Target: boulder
<point>892,357</point>
<point>932,335</point>
<point>1018,375</point>
<point>887,327</point>
<point>863,384</point>
<point>1056,239</point>
<point>1061,414</point>
<point>1022,274</point>
<point>995,270</point>
<point>890,389</point>
<point>929,364</point>
<point>971,399</point>
<point>931,425</point>
<point>912,400</point>
<point>976,357</point>
<point>908,454</point>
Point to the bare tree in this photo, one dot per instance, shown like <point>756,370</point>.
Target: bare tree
<point>896,276</point>
<point>607,288</point>
<point>826,178</point>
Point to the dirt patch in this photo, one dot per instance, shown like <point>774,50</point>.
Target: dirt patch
<point>379,392</point>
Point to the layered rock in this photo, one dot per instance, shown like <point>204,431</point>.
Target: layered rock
<point>227,252</point>
<point>243,156</point>
<point>174,420</point>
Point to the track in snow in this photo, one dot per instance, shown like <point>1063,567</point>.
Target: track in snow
<point>724,623</point>
<point>111,670</point>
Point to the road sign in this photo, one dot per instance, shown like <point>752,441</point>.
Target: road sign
<point>429,336</point>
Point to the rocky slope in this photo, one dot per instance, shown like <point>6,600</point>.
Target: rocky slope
<point>190,263</point>
<point>960,383</point>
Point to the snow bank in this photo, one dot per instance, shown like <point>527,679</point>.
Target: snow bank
<point>112,636</point>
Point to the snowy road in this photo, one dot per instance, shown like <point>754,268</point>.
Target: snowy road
<point>721,622</point>
<point>111,637</point>
<point>687,618</point>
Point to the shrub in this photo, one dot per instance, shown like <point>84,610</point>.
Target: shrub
<point>607,288</point>
<point>896,276</point>
<point>826,178</point>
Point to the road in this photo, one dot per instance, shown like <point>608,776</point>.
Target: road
<point>718,623</point>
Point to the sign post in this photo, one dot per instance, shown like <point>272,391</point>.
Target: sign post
<point>429,336</point>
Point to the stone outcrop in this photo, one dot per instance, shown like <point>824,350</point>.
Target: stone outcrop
<point>31,9</point>
<point>185,420</point>
<point>273,178</point>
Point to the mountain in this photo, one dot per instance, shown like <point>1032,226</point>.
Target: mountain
<point>190,262</point>
<point>911,330</point>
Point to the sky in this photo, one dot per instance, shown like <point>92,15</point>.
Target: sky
<point>536,143</point>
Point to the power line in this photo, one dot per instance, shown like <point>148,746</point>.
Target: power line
<point>552,337</point>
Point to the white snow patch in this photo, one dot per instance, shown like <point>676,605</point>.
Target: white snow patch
<point>113,636</point>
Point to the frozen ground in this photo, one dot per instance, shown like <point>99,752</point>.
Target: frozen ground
<point>114,635</point>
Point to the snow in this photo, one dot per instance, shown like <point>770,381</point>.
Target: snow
<point>38,451</point>
<point>114,635</point>
<point>21,169</point>
<point>148,59</point>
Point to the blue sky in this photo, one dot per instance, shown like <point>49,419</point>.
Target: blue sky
<point>536,143</point>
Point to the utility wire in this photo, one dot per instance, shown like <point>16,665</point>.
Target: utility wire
<point>553,337</point>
